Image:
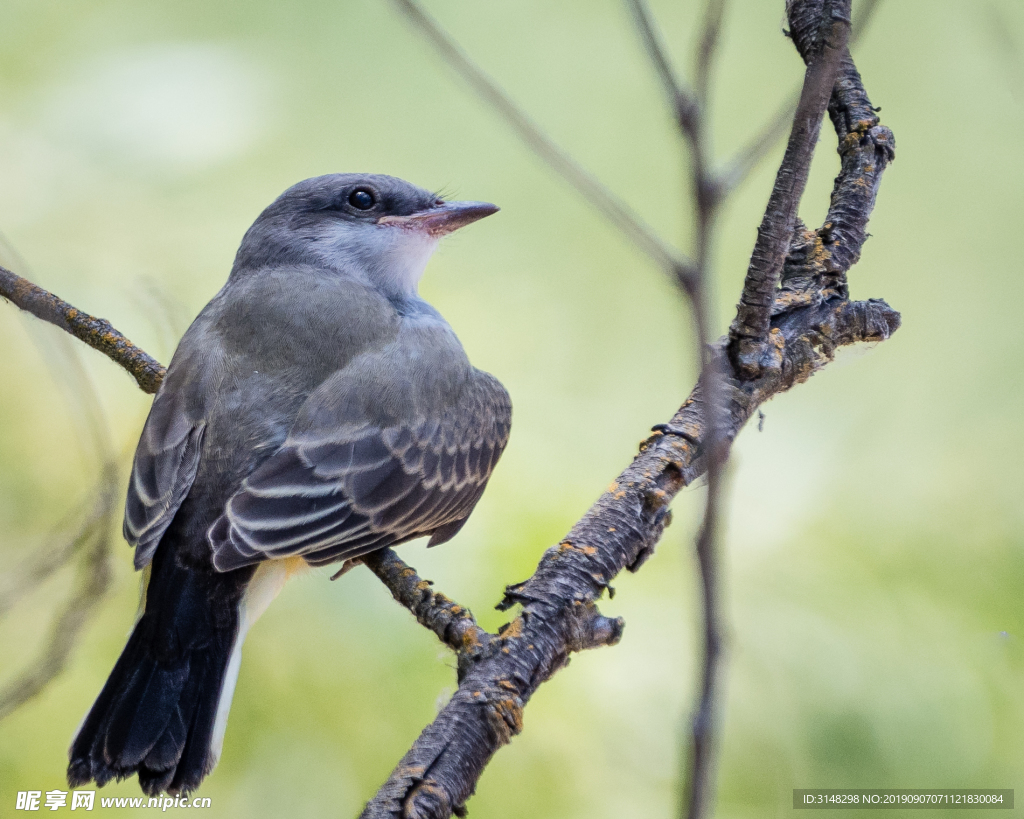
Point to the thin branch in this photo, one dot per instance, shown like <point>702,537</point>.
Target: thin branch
<point>93,581</point>
<point>749,349</point>
<point>95,332</point>
<point>699,777</point>
<point>699,785</point>
<point>41,565</point>
<point>67,371</point>
<point>742,165</point>
<point>453,624</point>
<point>556,158</point>
<point>710,34</point>
<point>92,537</point>
<point>681,99</point>
<point>692,118</point>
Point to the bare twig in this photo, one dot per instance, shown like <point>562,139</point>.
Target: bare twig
<point>91,540</point>
<point>691,112</point>
<point>740,167</point>
<point>698,780</point>
<point>41,565</point>
<point>557,159</point>
<point>95,332</point>
<point>93,580</point>
<point>710,33</point>
<point>682,100</point>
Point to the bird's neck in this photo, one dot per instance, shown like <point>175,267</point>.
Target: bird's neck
<point>397,269</point>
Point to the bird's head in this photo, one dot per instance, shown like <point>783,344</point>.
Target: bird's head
<point>369,225</point>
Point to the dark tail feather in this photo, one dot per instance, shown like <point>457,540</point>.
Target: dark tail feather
<point>155,715</point>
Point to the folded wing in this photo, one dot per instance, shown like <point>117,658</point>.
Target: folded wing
<point>344,488</point>
<point>165,466</point>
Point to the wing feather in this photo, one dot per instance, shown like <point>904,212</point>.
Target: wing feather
<point>163,470</point>
<point>333,493</point>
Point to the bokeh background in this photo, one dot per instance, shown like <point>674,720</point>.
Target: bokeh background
<point>874,546</point>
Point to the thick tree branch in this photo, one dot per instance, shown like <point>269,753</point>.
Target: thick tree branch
<point>818,260</point>
<point>441,769</point>
<point>620,531</point>
<point>748,334</point>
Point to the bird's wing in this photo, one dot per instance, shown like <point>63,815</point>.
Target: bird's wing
<point>165,466</point>
<point>340,489</point>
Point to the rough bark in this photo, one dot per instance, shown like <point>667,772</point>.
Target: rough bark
<point>823,54</point>
<point>96,332</point>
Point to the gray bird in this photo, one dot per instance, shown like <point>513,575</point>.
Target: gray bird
<point>316,410</point>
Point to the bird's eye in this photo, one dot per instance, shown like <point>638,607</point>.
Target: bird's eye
<point>362,199</point>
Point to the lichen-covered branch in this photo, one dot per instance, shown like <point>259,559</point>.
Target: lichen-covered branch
<point>819,260</point>
<point>739,168</point>
<point>559,613</point>
<point>801,335</point>
<point>95,332</point>
<point>453,624</point>
<point>748,334</point>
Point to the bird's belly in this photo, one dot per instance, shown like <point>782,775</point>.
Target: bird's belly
<point>266,584</point>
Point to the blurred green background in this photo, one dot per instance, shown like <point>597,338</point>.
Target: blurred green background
<point>874,545</point>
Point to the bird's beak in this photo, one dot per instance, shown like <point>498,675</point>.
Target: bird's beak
<point>441,219</point>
